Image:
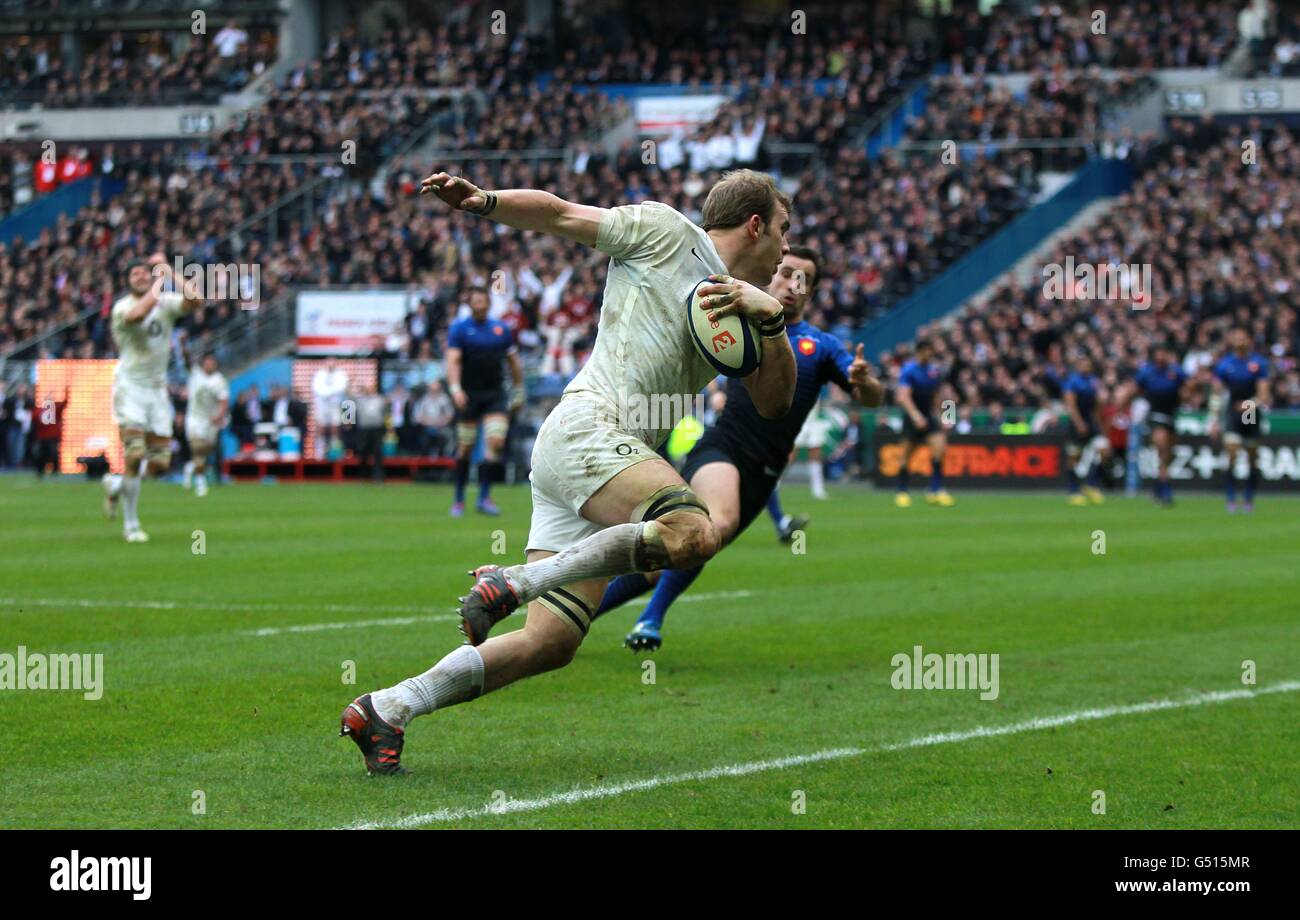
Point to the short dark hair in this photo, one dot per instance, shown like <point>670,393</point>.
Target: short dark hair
<point>808,254</point>
<point>924,343</point>
<point>130,266</point>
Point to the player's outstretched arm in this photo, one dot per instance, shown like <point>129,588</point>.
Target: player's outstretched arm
<point>523,209</point>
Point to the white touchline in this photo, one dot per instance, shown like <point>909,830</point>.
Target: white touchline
<point>207,605</point>
<point>573,796</point>
<point>347,624</point>
<point>702,596</point>
<point>447,618</point>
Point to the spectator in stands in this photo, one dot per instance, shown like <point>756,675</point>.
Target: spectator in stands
<point>371,418</point>
<point>47,430</point>
<point>329,387</point>
<point>433,416</point>
<point>284,410</point>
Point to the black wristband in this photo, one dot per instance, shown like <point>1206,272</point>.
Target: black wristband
<point>489,204</point>
<point>772,327</point>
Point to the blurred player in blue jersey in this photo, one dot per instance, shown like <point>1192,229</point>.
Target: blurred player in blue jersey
<point>477,348</point>
<point>1161,382</point>
<point>1087,448</point>
<point>918,382</point>
<point>735,465</point>
<point>1241,398</point>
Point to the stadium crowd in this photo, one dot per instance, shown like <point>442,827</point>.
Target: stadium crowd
<point>1132,35</point>
<point>1224,251</point>
<point>120,68</point>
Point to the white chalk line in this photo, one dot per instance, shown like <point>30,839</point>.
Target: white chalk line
<point>423,614</point>
<point>205,605</point>
<point>612,790</point>
<point>404,621</point>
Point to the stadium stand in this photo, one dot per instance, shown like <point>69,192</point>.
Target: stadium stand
<point>1223,251</point>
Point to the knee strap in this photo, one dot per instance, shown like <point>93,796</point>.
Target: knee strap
<point>568,607</point>
<point>160,456</point>
<point>133,448</point>
<point>667,500</point>
<point>496,427</point>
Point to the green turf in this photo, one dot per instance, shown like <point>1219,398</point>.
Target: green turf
<point>195,701</point>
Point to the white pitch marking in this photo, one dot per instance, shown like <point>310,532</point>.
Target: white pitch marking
<point>347,624</point>
<point>573,796</point>
<point>703,596</point>
<point>205,605</point>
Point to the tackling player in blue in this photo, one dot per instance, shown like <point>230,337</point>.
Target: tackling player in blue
<point>735,465</point>
<point>1087,448</point>
<point>918,383</point>
<point>477,347</point>
<point>1161,382</point>
<point>1241,398</point>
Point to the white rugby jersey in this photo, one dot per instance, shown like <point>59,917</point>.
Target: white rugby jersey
<point>144,348</point>
<point>643,344</point>
<point>206,392</point>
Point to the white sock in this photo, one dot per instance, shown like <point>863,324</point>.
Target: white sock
<point>130,500</point>
<point>456,678</point>
<point>818,478</point>
<point>612,551</point>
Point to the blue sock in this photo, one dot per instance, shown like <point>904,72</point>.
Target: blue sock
<point>622,589</point>
<point>1073,479</point>
<point>936,476</point>
<point>485,479</point>
<point>1230,481</point>
<point>1094,476</point>
<point>902,478</point>
<point>1251,481</point>
<point>774,509</point>
<point>462,477</point>
<point>672,582</point>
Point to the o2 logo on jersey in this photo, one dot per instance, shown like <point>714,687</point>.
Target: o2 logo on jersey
<point>625,450</point>
<point>154,329</point>
<point>723,340</point>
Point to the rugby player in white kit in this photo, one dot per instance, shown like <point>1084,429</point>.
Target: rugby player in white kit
<point>205,416</point>
<point>604,502</point>
<point>141,323</point>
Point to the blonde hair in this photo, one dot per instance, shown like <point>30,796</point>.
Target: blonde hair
<point>738,195</point>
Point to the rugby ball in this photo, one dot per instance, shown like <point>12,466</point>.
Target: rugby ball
<point>731,345</point>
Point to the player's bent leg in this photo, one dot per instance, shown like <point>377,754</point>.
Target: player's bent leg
<point>466,436</point>
<point>158,455</point>
<point>495,428</point>
<point>135,450</point>
<point>718,486</point>
<point>937,494</point>
<point>556,626</point>
<point>665,526</point>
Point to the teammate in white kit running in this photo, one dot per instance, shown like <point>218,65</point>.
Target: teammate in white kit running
<point>604,502</point>
<point>142,324</point>
<point>205,416</point>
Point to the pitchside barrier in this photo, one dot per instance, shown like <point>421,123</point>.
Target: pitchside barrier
<point>1039,461</point>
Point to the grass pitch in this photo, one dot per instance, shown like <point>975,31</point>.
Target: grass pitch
<point>224,670</point>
